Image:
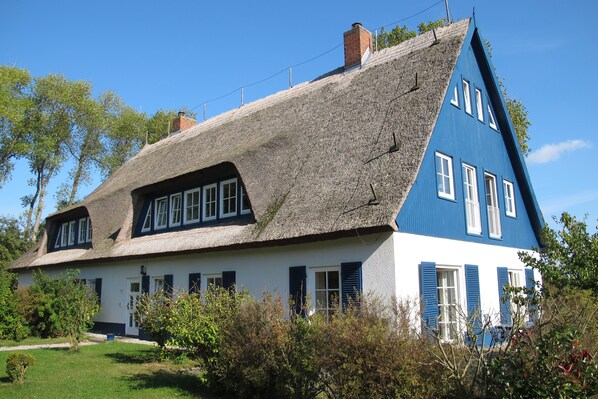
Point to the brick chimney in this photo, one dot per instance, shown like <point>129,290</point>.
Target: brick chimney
<point>358,45</point>
<point>182,123</point>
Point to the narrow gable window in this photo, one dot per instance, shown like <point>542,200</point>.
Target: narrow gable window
<point>491,120</point>
<point>245,208</point>
<point>444,176</point>
<point>58,238</point>
<point>191,206</point>
<point>175,210</point>
<point>472,205</point>
<point>492,206</point>
<point>72,232</point>
<point>466,96</point>
<point>161,213</point>
<point>82,230</point>
<point>509,199</point>
<point>147,222</point>
<point>479,105</point>
<point>228,198</point>
<point>89,231</point>
<point>209,202</point>
<point>455,99</point>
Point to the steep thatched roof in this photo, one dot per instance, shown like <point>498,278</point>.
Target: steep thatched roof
<point>307,157</point>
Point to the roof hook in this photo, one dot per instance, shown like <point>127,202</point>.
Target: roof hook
<point>416,86</point>
<point>395,146</point>
<point>373,201</point>
<point>436,39</point>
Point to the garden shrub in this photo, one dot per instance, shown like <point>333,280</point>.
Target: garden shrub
<point>12,324</point>
<point>16,366</point>
<point>154,316</point>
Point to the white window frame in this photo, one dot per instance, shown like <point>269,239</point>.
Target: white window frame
<point>89,231</point>
<point>467,97</point>
<point>492,207</point>
<point>459,304</point>
<point>187,205</point>
<point>471,197</point>
<point>72,230</point>
<point>479,104</point>
<point>441,189</point>
<point>455,99</point>
<point>157,283</point>
<point>147,219</point>
<point>64,233</point>
<point>205,203</point>
<point>516,279</point>
<point>159,213</point>
<point>509,189</point>
<point>229,198</point>
<point>491,120</point>
<point>173,210</point>
<point>329,309</point>
<point>212,279</point>
<point>243,210</point>
<point>58,237</point>
<point>82,231</point>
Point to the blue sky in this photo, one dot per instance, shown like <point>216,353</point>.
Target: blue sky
<point>159,54</point>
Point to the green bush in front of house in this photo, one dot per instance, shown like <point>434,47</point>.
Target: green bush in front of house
<point>16,366</point>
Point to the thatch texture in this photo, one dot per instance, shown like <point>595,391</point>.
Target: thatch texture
<point>306,155</point>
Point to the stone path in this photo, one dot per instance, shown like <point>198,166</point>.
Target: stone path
<point>93,339</point>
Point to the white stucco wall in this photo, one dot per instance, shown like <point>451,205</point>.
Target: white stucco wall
<point>411,250</point>
<point>258,270</point>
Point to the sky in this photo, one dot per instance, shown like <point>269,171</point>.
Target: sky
<point>182,53</point>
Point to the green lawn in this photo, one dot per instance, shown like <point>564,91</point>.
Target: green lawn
<point>33,341</point>
<point>107,370</point>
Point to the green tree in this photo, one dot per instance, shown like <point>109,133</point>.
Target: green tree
<point>158,125</point>
<point>14,102</point>
<point>569,258</point>
<point>13,240</point>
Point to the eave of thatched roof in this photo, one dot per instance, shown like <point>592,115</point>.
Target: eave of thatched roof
<point>306,156</point>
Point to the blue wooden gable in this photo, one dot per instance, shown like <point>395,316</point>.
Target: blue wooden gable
<point>465,138</point>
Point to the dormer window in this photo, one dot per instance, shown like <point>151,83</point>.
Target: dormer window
<point>192,206</point>
<point>245,207</point>
<point>161,213</point>
<point>228,198</point>
<point>209,202</point>
<point>72,233</point>
<point>175,210</point>
<point>147,221</point>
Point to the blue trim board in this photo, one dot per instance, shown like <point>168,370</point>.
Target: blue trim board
<point>468,140</point>
<point>101,327</point>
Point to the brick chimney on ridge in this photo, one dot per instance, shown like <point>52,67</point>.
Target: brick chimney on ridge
<point>182,123</point>
<point>358,45</point>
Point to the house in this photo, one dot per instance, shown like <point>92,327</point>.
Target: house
<point>398,173</point>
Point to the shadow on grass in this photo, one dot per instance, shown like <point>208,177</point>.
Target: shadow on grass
<point>134,358</point>
<point>5,379</point>
<point>186,382</point>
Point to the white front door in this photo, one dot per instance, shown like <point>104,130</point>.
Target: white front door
<point>134,292</point>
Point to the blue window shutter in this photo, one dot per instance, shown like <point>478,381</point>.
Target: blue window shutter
<point>429,293</point>
<point>297,289</point>
<point>168,285</point>
<point>530,284</point>
<point>350,282</point>
<point>145,284</point>
<point>472,287</point>
<point>194,282</point>
<point>505,302</point>
<point>99,290</point>
<point>229,279</point>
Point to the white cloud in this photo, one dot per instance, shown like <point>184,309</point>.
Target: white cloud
<point>552,152</point>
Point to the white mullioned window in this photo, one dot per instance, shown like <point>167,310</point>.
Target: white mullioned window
<point>72,228</point>
<point>479,105</point>
<point>327,290</point>
<point>209,202</point>
<point>509,199</point>
<point>147,221</point>
<point>444,176</point>
<point>515,280</point>
<point>228,198</point>
<point>158,283</point>
<point>245,207</point>
<point>214,281</point>
<point>472,204</point>
<point>175,210</point>
<point>492,206</point>
<point>89,231</point>
<point>161,216</point>
<point>466,96</point>
<point>448,303</point>
<point>455,98</point>
<point>82,231</point>
<point>64,241</point>
<point>491,120</point>
<point>191,214</point>
<point>58,238</point>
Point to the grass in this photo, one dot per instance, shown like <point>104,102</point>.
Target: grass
<point>33,341</point>
<point>107,370</point>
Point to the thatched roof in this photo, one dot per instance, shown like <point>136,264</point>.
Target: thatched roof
<point>307,157</point>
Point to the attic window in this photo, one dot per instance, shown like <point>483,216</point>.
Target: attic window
<point>209,202</point>
<point>228,198</point>
<point>84,230</point>
<point>191,206</point>
<point>175,209</point>
<point>72,233</point>
<point>455,99</point>
<point>479,105</point>
<point>245,207</point>
<point>147,222</point>
<point>444,176</point>
<point>491,121</point>
<point>161,213</point>
<point>467,96</point>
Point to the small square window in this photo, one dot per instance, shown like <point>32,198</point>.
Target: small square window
<point>479,105</point>
<point>455,99</point>
<point>175,210</point>
<point>444,176</point>
<point>228,198</point>
<point>467,97</point>
<point>214,281</point>
<point>191,214</point>
<point>147,222</point>
<point>509,199</point>
<point>209,203</point>
<point>161,218</point>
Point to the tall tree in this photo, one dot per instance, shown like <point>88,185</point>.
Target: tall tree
<point>159,125</point>
<point>15,100</point>
<point>13,241</point>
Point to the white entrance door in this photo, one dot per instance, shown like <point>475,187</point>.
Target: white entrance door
<point>134,291</point>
